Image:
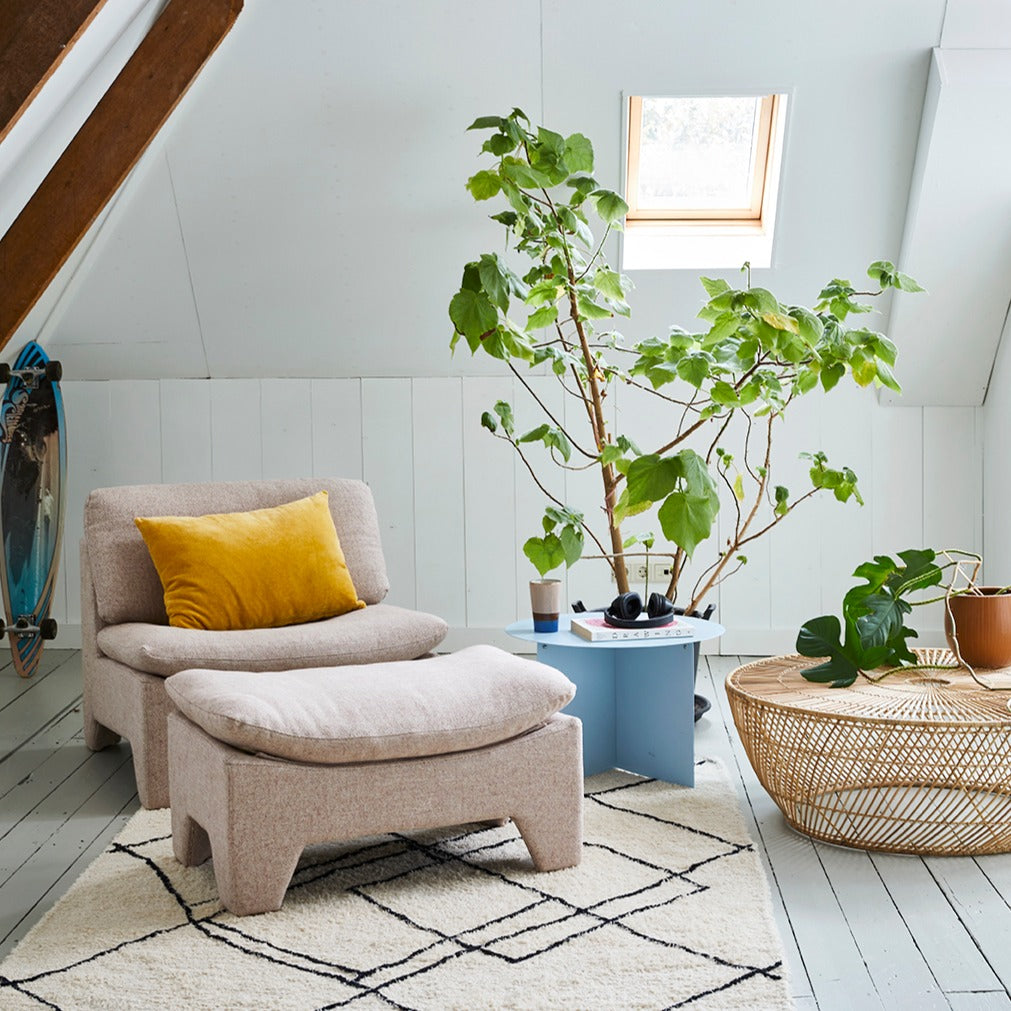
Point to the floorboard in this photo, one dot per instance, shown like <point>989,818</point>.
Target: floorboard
<point>860,931</point>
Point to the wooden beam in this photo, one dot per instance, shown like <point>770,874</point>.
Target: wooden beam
<point>35,35</point>
<point>106,147</point>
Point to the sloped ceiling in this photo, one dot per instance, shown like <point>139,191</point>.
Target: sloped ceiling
<point>304,213</point>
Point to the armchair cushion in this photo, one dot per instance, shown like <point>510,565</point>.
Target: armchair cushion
<point>381,632</point>
<point>258,569</point>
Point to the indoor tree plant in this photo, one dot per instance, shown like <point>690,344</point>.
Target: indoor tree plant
<point>726,384</point>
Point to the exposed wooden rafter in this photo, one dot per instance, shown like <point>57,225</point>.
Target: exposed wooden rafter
<point>104,150</point>
<point>35,35</point>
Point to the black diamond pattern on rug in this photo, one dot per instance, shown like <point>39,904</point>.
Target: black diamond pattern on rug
<point>667,909</point>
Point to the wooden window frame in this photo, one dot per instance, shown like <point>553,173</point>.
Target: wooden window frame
<point>748,217</point>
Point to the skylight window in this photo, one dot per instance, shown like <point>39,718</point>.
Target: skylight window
<point>702,179</point>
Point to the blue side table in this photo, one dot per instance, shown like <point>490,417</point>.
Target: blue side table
<point>636,698</point>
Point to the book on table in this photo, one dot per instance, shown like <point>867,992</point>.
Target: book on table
<point>597,630</point>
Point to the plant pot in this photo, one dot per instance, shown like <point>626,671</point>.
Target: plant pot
<point>546,603</point>
<point>982,626</point>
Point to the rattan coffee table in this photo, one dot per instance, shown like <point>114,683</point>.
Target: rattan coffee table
<point>919,762</point>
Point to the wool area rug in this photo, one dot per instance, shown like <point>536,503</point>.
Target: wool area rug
<point>669,908</point>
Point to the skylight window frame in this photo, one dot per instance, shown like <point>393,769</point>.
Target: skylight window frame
<point>764,174</point>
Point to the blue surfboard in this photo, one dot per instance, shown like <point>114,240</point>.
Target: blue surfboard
<point>33,475</point>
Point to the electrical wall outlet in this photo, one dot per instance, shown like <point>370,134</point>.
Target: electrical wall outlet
<point>614,578</point>
<point>636,573</point>
<point>660,571</point>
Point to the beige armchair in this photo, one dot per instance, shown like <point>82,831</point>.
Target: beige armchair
<point>128,647</point>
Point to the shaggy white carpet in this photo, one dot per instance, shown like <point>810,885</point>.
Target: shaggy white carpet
<point>669,908</point>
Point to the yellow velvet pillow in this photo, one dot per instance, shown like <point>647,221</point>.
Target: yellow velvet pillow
<point>259,569</point>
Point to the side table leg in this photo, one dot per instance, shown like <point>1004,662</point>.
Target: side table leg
<point>655,708</point>
<point>592,672</point>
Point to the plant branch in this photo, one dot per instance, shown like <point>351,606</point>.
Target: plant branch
<point>544,408</point>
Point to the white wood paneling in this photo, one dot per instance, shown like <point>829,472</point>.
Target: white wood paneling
<point>490,503</point>
<point>86,406</point>
<point>530,501</point>
<point>185,431</point>
<point>236,448</point>
<point>336,427</point>
<point>439,517</point>
<point>133,440</point>
<point>389,471</point>
<point>286,427</point>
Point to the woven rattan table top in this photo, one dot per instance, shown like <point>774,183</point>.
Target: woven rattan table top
<point>945,695</point>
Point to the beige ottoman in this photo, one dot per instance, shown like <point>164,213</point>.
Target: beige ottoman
<point>263,764</point>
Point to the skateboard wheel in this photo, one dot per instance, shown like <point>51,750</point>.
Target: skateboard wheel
<point>54,371</point>
<point>48,628</point>
<point>5,372</point>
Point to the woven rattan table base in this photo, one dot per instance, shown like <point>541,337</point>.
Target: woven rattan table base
<point>919,762</point>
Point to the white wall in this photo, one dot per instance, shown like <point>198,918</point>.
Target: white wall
<point>268,294</point>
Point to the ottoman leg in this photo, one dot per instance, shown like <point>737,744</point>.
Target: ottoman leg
<point>253,872</point>
<point>190,843</point>
<point>550,819</point>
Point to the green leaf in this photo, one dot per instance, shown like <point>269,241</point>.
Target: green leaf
<point>820,637</point>
<point>488,421</point>
<point>495,279</point>
<point>779,321</point>
<point>609,205</point>
<point>499,144</point>
<point>831,375</point>
<point>486,123</point>
<point>782,495</point>
<point>686,519</point>
<point>652,478</point>
<point>886,377</point>
<point>695,368</point>
<point>714,286</point>
<point>473,314</point>
<point>905,283</point>
<point>542,317</point>
<point>522,174</point>
<point>484,185</point>
<point>589,309</point>
<point>739,487</point>
<point>723,393</point>
<point>545,552</point>
<point>505,412</point>
<point>919,571</point>
<point>535,434</point>
<point>572,543</point>
<point>608,282</point>
<point>578,153</point>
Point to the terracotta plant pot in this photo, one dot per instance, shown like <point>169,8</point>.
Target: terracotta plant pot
<point>983,627</point>
<point>546,603</point>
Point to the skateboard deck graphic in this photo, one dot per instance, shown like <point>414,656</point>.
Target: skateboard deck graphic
<point>33,468</point>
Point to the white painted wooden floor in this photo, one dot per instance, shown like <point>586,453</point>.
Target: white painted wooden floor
<point>861,930</point>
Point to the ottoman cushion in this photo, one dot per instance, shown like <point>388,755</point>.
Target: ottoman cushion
<point>375,712</point>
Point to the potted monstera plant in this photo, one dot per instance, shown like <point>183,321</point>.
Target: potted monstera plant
<point>550,302</point>
<point>872,639</point>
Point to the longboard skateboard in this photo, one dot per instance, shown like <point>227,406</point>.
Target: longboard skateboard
<point>33,471</point>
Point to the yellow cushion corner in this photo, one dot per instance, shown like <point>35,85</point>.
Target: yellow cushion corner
<point>259,569</point>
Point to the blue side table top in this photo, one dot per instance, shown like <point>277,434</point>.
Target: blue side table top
<point>703,630</point>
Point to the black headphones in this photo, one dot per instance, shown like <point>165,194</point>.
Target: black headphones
<point>625,610</point>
